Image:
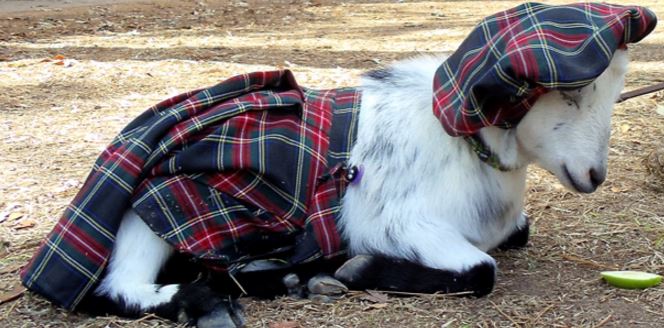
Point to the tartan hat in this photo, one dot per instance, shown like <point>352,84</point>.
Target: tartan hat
<point>513,57</point>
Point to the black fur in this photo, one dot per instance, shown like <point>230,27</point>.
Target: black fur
<point>203,291</point>
<point>387,273</point>
<point>381,74</point>
<point>518,238</point>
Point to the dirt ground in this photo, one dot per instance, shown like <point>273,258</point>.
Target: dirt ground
<point>73,73</point>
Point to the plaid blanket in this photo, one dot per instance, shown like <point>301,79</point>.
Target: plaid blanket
<point>514,56</point>
<point>226,173</point>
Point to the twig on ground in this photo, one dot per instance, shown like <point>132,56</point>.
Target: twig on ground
<point>603,322</point>
<point>580,260</point>
<point>505,315</point>
<point>533,322</point>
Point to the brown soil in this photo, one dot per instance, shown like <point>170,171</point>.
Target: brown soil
<point>122,57</point>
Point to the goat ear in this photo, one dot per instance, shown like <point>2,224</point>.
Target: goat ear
<point>526,51</point>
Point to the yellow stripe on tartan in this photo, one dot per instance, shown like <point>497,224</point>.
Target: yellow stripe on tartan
<point>322,213</point>
<point>571,85</point>
<point>350,136</point>
<point>225,140</point>
<point>458,93</point>
<point>178,229</point>
<point>261,144</point>
<point>547,55</point>
<point>71,261</point>
<point>283,223</point>
<point>92,222</point>
<point>91,282</point>
<point>220,149</point>
<point>503,16</point>
<point>258,179</point>
<point>300,166</point>
<point>566,25</point>
<point>522,88</point>
<point>152,189</point>
<point>489,39</point>
<point>225,215</point>
<point>147,149</point>
<point>163,206</point>
<point>111,174</point>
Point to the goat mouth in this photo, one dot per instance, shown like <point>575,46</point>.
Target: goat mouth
<point>577,186</point>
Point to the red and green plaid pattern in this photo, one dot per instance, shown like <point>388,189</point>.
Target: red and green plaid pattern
<point>224,174</point>
<point>514,56</point>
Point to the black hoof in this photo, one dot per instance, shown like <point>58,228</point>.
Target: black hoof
<point>385,273</point>
<point>199,305</point>
<point>518,238</point>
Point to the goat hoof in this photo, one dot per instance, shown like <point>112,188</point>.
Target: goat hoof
<point>292,283</point>
<point>323,284</point>
<point>198,304</point>
<point>223,316</point>
<point>354,268</point>
<point>291,280</point>
<point>518,238</point>
<point>263,265</point>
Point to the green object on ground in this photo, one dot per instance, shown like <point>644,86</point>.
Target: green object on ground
<point>631,279</point>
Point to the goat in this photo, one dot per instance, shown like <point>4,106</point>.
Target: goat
<point>420,207</point>
<point>405,237</point>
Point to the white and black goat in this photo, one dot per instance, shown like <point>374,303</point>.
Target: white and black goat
<point>427,209</point>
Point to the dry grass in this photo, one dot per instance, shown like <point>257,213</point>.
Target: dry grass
<point>54,120</point>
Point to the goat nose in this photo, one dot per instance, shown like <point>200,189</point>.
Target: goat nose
<point>597,177</point>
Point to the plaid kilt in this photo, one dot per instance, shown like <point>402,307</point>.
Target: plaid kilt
<point>513,57</point>
<point>224,174</point>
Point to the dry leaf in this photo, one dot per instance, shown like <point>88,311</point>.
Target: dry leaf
<point>618,190</point>
<point>660,110</point>
<point>24,224</point>
<point>11,269</point>
<point>624,128</point>
<point>285,324</point>
<point>14,216</point>
<point>375,297</point>
<point>375,306</point>
<point>12,295</point>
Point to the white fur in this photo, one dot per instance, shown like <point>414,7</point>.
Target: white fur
<point>137,257</point>
<point>428,198</point>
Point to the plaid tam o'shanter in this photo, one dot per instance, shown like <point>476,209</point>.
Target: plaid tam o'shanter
<point>514,56</point>
<point>225,173</point>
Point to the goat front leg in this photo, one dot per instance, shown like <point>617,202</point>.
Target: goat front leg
<point>445,263</point>
<point>129,284</point>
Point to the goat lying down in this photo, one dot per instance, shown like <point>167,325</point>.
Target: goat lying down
<point>408,238</point>
<point>421,211</point>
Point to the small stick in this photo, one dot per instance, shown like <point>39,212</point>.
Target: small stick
<point>640,92</point>
<point>603,322</point>
<point>393,292</point>
<point>592,263</point>
<point>12,295</point>
<point>145,317</point>
<point>505,314</point>
<point>539,315</point>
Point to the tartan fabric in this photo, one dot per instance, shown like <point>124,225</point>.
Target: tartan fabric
<point>513,57</point>
<point>226,173</point>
